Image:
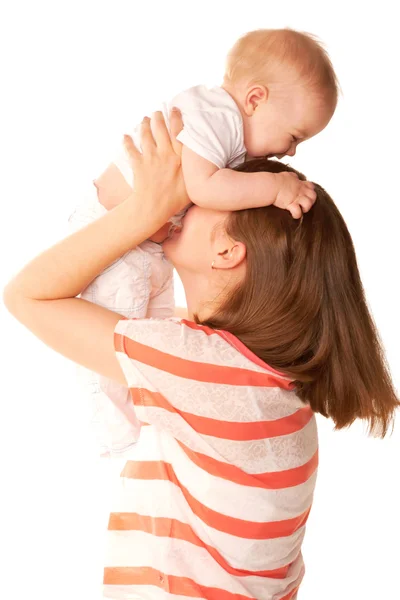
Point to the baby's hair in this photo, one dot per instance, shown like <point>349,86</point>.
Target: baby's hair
<point>257,56</point>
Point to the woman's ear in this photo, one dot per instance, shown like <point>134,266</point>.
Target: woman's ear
<point>231,256</point>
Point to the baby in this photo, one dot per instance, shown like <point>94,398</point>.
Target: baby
<point>279,89</point>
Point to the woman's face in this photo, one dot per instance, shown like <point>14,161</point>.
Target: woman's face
<point>192,248</point>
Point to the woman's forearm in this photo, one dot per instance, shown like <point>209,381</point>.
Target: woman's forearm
<point>65,269</point>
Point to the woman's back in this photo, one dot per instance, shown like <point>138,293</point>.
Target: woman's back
<point>215,496</point>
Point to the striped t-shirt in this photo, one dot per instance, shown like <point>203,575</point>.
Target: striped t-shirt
<point>215,495</point>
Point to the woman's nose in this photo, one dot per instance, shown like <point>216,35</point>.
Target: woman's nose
<point>291,151</point>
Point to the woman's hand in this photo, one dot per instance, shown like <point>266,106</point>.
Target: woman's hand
<point>158,180</point>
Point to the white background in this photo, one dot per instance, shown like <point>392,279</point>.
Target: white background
<point>75,76</point>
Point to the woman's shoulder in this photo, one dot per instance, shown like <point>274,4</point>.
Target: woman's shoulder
<point>181,337</point>
<point>191,342</point>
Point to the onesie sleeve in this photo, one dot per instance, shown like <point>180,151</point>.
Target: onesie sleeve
<point>169,371</point>
<point>216,135</point>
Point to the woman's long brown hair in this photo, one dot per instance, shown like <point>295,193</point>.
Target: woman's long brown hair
<point>301,308</point>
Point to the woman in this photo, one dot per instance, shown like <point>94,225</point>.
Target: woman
<point>216,493</point>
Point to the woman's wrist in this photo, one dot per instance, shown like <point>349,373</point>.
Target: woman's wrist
<point>144,215</point>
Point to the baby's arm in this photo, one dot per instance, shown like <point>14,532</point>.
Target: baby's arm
<point>226,189</point>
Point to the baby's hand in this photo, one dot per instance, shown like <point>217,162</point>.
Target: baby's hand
<point>294,195</point>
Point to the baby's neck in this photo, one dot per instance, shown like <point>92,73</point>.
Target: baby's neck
<point>236,94</point>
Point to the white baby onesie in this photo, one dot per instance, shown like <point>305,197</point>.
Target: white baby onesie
<point>140,284</point>
<point>212,127</point>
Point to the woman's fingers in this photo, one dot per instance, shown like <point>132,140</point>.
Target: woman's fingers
<point>161,135</point>
<point>176,126</point>
<point>167,141</point>
<point>157,168</point>
<point>147,140</point>
<point>130,148</point>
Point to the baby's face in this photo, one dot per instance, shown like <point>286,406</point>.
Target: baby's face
<point>279,124</point>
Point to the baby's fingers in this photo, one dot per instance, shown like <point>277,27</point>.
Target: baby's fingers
<point>176,126</point>
<point>305,203</point>
<point>308,191</point>
<point>311,194</point>
<point>295,210</point>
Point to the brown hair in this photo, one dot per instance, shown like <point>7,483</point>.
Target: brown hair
<point>301,308</point>
<point>258,57</point>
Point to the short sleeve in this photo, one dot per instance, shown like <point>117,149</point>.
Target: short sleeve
<point>147,351</point>
<point>138,343</point>
<point>213,135</point>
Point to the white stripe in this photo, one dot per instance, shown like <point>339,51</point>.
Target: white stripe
<point>148,446</point>
<point>182,559</point>
<point>138,592</point>
<point>164,499</point>
<point>132,373</point>
<point>254,457</point>
<point>224,496</point>
<point>233,403</point>
<point>234,500</point>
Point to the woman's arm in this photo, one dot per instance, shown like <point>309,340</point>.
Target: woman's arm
<point>42,295</point>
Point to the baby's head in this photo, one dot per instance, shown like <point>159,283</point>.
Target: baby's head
<point>285,86</point>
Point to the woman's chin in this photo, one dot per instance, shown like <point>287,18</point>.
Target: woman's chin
<point>171,240</point>
<point>162,234</point>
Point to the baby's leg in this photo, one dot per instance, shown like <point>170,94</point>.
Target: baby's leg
<point>112,187</point>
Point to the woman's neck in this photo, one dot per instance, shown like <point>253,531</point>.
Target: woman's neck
<point>202,294</point>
